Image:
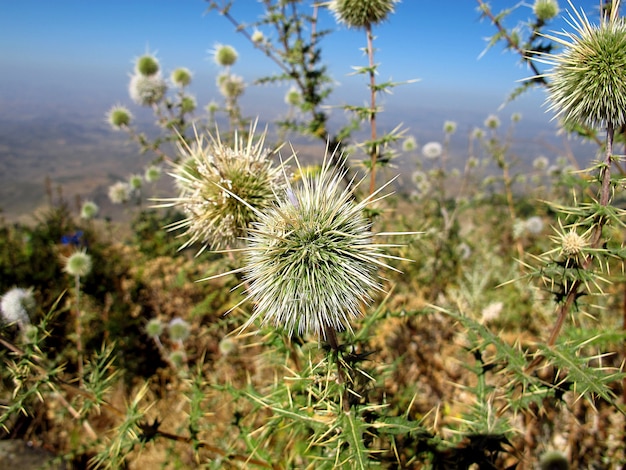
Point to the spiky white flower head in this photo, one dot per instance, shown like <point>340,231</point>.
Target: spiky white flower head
<point>212,107</point>
<point>119,192</point>
<point>361,13</point>
<point>572,243</point>
<point>147,65</point>
<point>181,77</point>
<point>230,86</point>
<point>224,55</point>
<point>449,127</point>
<point>119,117</point>
<point>587,82</point>
<point>516,117</point>
<point>78,263</point>
<point>178,329</point>
<point>472,162</point>
<point>257,36</point>
<point>409,144</point>
<point>152,173</point>
<point>311,259</point>
<point>540,163</point>
<point>89,210</point>
<point>432,150</point>
<point>293,96</point>
<point>147,90</point>
<point>492,122</point>
<point>223,188</point>
<point>17,305</point>
<point>545,10</point>
<point>477,133</point>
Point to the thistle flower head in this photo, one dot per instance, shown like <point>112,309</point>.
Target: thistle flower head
<point>409,144</point>
<point>224,55</point>
<point>257,36</point>
<point>135,182</point>
<point>311,259</point>
<point>188,104</point>
<point>119,192</point>
<point>89,210</point>
<point>78,263</point>
<point>293,97</point>
<point>587,82</point>
<point>181,77</point>
<point>152,173</point>
<point>17,305</point>
<point>362,13</point>
<point>119,117</point>
<point>432,150</point>
<point>147,65</point>
<point>545,9</point>
<point>449,127</point>
<point>147,90</point>
<point>178,329</point>
<point>154,328</point>
<point>230,86</point>
<point>223,188</point>
<point>492,122</point>
<point>572,243</point>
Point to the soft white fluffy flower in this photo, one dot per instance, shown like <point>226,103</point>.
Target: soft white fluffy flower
<point>119,192</point>
<point>16,306</point>
<point>432,150</point>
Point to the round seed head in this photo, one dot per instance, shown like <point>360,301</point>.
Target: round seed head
<point>17,305</point>
<point>257,36</point>
<point>572,243</point>
<point>78,263</point>
<point>409,144</point>
<point>492,122</point>
<point>432,150</point>
<point>230,86</point>
<point>135,182</point>
<point>119,192</point>
<point>188,104</point>
<point>152,174</point>
<point>449,127</point>
<point>362,13</point>
<point>178,329</point>
<point>147,90</point>
<point>154,328</point>
<point>293,97</point>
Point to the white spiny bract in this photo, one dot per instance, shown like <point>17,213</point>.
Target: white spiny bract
<point>222,188</point>
<point>310,259</point>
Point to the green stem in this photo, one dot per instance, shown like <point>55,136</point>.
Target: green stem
<point>374,150</point>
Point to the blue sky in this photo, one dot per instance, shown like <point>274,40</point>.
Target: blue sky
<point>65,51</point>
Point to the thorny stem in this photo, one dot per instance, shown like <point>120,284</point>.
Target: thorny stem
<point>331,338</point>
<point>596,236</point>
<point>79,331</point>
<point>372,73</point>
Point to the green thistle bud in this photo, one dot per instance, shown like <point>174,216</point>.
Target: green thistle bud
<point>89,210</point>
<point>516,117</point>
<point>587,84</point>
<point>492,122</point>
<point>362,13</point>
<point>188,104</point>
<point>572,243</point>
<point>311,259</point>
<point>178,329</point>
<point>409,144</point>
<point>147,90</point>
<point>449,127</point>
<point>181,77</point>
<point>78,263</point>
<point>545,10</point>
<point>293,97</point>
<point>223,187</point>
<point>17,305</point>
<point>152,174</point>
<point>225,56</point>
<point>147,65</point>
<point>119,117</point>
<point>135,182</point>
<point>177,359</point>
<point>154,328</point>
<point>212,107</point>
<point>230,86</point>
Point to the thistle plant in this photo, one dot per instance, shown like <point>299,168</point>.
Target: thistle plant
<point>223,188</point>
<point>17,305</point>
<point>586,88</point>
<point>364,15</point>
<point>78,265</point>
<point>311,260</point>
